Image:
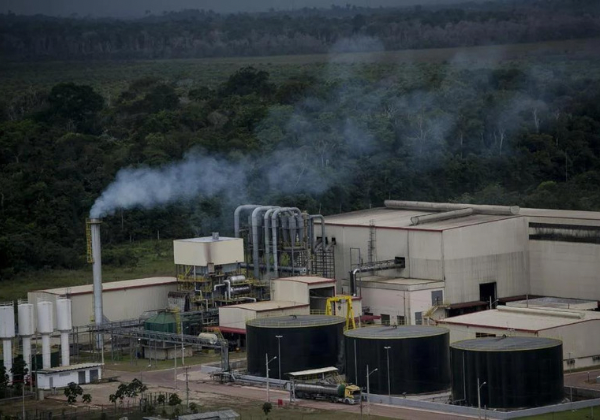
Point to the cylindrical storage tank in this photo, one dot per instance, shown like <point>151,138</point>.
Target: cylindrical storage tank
<point>45,317</point>
<point>306,342</point>
<point>25,316</point>
<point>7,321</point>
<point>63,315</point>
<point>517,371</point>
<point>418,358</point>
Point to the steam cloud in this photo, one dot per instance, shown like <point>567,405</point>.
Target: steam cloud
<point>147,187</point>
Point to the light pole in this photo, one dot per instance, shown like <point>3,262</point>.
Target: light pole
<point>479,397</point>
<point>279,337</point>
<point>267,361</point>
<point>387,352</point>
<point>368,388</point>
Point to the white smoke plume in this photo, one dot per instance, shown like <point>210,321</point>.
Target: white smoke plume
<point>146,187</point>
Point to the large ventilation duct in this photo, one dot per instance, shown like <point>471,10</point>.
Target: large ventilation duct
<point>45,327</point>
<point>64,325</point>
<point>436,217</point>
<point>266,224</point>
<point>7,333</point>
<point>312,229</point>
<point>439,207</point>
<point>236,217</point>
<point>274,234</point>
<point>255,238</point>
<point>26,330</point>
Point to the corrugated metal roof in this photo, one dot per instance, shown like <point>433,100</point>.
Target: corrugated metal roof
<point>400,219</point>
<point>330,369</point>
<point>267,305</point>
<point>112,286</point>
<point>307,279</point>
<point>531,320</point>
<point>69,368</point>
<point>207,239</point>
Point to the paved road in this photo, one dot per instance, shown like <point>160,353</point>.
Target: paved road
<point>580,379</point>
<point>201,383</point>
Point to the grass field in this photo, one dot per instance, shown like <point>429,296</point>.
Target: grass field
<point>154,259</point>
<point>111,77</point>
<point>582,414</point>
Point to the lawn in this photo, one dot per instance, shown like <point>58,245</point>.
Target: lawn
<point>153,259</point>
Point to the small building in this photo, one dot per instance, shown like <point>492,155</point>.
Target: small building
<point>211,415</point>
<point>575,328</point>
<point>122,300</point>
<point>233,318</point>
<point>60,377</point>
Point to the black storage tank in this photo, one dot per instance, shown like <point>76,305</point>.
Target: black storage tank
<point>517,371</point>
<point>307,342</point>
<point>418,358</point>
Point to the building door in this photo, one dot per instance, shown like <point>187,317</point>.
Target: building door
<point>93,375</point>
<point>487,292</point>
<point>51,382</point>
<point>82,377</point>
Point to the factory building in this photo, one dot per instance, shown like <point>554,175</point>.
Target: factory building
<point>574,327</point>
<point>122,300</point>
<point>412,262</point>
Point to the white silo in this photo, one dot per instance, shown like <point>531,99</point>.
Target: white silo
<point>7,333</point>
<point>26,330</point>
<point>64,324</point>
<point>45,327</point>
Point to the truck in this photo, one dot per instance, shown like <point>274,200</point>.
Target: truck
<point>341,393</point>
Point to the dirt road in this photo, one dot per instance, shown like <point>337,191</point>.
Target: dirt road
<point>202,387</point>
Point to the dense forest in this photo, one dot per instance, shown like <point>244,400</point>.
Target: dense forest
<point>199,33</point>
<point>343,137</point>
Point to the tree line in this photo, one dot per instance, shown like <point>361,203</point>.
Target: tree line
<point>527,136</point>
<point>199,33</point>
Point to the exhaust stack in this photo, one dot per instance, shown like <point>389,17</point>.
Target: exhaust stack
<point>7,333</point>
<point>26,330</point>
<point>45,315</point>
<point>64,324</point>
<point>95,257</point>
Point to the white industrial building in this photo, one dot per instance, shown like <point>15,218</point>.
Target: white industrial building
<point>301,295</point>
<point>579,330</point>
<point>60,377</point>
<point>126,299</point>
<point>473,256</point>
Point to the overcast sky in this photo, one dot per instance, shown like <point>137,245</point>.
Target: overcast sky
<point>135,8</point>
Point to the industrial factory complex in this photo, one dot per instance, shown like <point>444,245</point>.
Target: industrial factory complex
<point>408,299</point>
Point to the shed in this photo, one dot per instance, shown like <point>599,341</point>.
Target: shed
<point>60,377</point>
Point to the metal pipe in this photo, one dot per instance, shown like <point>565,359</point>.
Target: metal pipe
<point>477,208</point>
<point>228,283</point>
<point>323,235</point>
<point>236,217</point>
<point>266,234</point>
<point>255,241</point>
<point>216,286</point>
<point>428,218</point>
<point>274,234</point>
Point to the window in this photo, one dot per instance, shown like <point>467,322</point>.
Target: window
<point>437,297</point>
<point>418,318</point>
<point>64,374</point>
<point>385,319</point>
<point>481,335</point>
<point>400,320</point>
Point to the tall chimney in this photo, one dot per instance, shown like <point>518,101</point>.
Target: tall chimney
<point>26,330</point>
<point>97,269</point>
<point>7,333</point>
<point>45,326</point>
<point>64,325</point>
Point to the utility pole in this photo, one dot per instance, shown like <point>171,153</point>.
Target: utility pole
<point>175,370</point>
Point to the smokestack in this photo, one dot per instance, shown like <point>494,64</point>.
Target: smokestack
<point>7,333</point>
<point>64,324</point>
<point>97,269</point>
<point>26,330</point>
<point>45,326</point>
